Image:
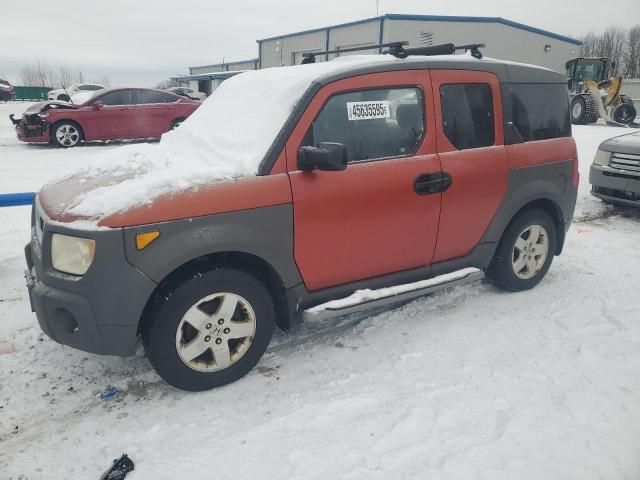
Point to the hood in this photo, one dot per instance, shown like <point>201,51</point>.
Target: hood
<point>60,198</point>
<point>628,143</point>
<point>47,105</point>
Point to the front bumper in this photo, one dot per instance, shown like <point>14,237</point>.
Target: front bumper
<point>615,185</point>
<point>31,132</point>
<point>98,312</point>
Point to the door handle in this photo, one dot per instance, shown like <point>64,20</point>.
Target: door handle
<point>429,183</point>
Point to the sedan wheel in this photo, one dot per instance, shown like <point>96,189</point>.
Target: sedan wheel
<point>67,135</point>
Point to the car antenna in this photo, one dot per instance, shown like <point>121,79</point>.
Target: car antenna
<point>398,50</point>
<point>65,91</point>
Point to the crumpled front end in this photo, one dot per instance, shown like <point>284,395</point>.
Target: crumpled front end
<point>32,127</point>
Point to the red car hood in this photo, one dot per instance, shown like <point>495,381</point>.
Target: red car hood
<point>42,106</point>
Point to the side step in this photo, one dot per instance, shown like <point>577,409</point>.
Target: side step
<point>364,300</point>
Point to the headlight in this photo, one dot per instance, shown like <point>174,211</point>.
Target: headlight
<point>602,158</point>
<point>72,254</point>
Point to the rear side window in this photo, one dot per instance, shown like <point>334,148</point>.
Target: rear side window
<point>119,97</point>
<point>467,115</point>
<point>540,111</point>
<point>372,124</point>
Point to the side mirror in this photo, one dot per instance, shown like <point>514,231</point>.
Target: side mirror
<point>328,156</point>
<point>97,105</point>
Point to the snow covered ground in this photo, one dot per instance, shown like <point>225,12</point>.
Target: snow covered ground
<point>472,383</point>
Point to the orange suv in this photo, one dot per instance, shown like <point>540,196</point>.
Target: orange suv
<point>365,172</point>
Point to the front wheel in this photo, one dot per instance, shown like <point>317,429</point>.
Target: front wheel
<point>176,123</point>
<point>525,252</point>
<point>210,330</point>
<point>66,134</point>
<point>624,113</point>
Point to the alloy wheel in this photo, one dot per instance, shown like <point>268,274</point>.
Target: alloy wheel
<point>67,135</point>
<point>215,332</point>
<point>530,251</point>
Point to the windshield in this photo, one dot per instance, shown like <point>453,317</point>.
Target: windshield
<point>589,70</point>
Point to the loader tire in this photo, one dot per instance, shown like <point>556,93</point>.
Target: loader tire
<point>624,113</point>
<point>583,110</point>
<point>626,99</point>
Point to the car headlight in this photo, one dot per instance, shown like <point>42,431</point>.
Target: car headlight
<point>72,255</point>
<point>602,158</point>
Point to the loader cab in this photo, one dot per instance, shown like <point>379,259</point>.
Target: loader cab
<point>586,68</point>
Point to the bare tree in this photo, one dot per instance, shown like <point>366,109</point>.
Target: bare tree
<point>167,84</point>
<point>611,44</point>
<point>632,53</point>
<point>65,76</point>
<point>589,45</point>
<point>104,80</point>
<point>38,74</point>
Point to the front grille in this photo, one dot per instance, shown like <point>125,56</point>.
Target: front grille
<point>40,220</point>
<point>625,161</point>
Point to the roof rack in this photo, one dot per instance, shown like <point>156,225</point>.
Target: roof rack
<point>398,50</point>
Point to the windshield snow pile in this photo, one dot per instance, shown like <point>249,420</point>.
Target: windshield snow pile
<point>227,137</point>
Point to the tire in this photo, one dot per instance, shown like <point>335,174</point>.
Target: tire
<point>66,134</point>
<point>176,123</point>
<point>624,113</point>
<point>626,99</point>
<point>63,98</point>
<point>514,268</point>
<point>583,110</point>
<point>189,315</point>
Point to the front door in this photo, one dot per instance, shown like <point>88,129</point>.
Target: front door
<point>114,119</point>
<point>376,217</point>
<point>469,131</point>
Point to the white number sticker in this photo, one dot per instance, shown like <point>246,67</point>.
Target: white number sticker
<point>368,110</point>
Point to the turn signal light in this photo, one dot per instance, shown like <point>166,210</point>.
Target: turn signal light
<point>144,239</point>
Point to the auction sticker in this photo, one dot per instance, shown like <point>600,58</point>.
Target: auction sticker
<point>368,110</point>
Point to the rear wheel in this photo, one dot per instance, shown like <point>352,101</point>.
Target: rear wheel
<point>210,330</point>
<point>176,123</point>
<point>525,252</point>
<point>626,99</point>
<point>583,110</point>
<point>66,134</point>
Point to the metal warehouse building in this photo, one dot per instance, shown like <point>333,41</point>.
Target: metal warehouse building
<point>504,39</point>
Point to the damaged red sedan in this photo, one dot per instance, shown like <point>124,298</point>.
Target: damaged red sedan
<point>116,114</point>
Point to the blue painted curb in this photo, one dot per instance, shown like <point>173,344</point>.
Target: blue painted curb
<point>16,199</point>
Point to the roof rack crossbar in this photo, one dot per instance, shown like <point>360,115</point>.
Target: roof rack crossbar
<point>442,49</point>
<point>309,57</point>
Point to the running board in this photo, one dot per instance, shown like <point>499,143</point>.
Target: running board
<point>364,300</point>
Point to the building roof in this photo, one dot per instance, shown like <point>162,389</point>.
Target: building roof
<point>224,64</point>
<point>207,76</point>
<point>437,18</point>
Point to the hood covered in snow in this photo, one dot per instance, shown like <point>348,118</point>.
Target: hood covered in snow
<point>46,105</point>
<point>226,138</point>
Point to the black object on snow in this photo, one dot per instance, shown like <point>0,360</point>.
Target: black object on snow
<point>119,469</point>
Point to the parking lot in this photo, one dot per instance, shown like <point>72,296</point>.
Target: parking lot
<point>469,383</point>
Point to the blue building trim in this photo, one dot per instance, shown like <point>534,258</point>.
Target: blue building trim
<point>16,199</point>
<point>438,18</point>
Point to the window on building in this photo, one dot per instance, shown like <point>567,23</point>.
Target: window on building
<point>540,111</point>
<point>119,97</point>
<point>371,124</point>
<point>467,115</point>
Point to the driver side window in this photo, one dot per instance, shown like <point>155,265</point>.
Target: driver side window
<point>371,124</point>
<point>119,97</point>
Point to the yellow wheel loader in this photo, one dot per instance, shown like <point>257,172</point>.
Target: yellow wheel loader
<point>594,95</point>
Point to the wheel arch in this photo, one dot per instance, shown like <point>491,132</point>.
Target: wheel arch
<point>247,262</point>
<point>553,210</point>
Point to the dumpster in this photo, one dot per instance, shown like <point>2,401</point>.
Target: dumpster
<point>31,93</point>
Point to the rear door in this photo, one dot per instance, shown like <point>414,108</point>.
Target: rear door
<point>373,218</point>
<point>114,119</point>
<point>469,131</point>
